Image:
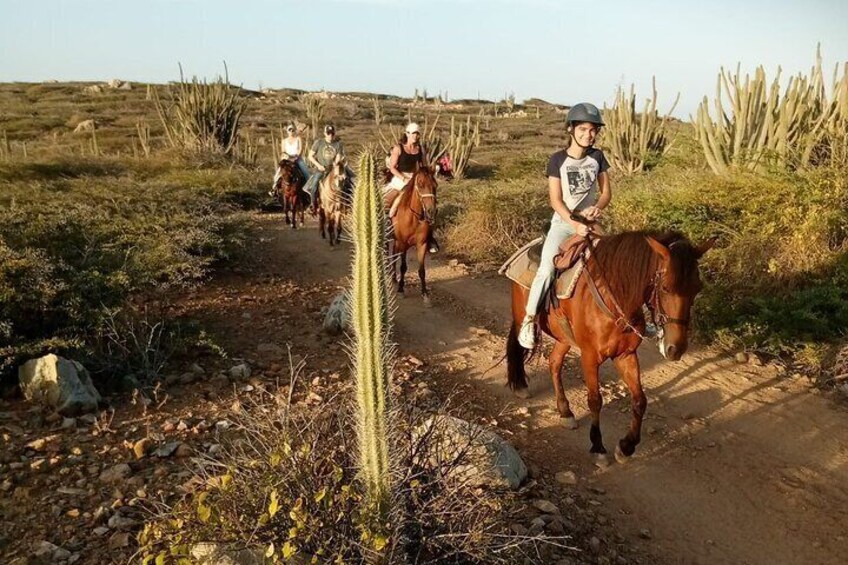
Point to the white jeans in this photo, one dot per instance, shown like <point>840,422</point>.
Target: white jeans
<point>559,232</point>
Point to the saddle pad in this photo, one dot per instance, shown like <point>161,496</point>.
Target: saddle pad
<point>524,263</point>
<point>522,266</point>
<point>567,281</point>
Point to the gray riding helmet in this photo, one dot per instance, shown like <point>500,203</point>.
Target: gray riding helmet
<point>584,112</point>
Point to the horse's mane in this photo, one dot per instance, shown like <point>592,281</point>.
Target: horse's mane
<point>628,264</point>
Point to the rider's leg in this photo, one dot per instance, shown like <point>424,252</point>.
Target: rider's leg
<point>277,175</point>
<point>303,168</point>
<point>559,232</point>
<point>312,189</point>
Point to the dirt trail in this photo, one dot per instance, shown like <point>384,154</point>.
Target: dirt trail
<point>737,465</point>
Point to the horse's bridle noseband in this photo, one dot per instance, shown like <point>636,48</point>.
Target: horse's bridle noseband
<point>424,215</point>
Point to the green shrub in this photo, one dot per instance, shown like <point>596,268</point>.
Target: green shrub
<point>75,246</point>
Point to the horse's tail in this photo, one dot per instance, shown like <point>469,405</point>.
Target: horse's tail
<point>516,355</point>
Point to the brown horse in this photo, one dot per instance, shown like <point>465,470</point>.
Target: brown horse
<point>412,225</point>
<point>604,320</point>
<point>331,202</point>
<point>290,189</point>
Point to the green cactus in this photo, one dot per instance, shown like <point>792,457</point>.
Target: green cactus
<point>372,353</point>
<point>800,128</point>
<point>634,138</point>
<point>463,139</point>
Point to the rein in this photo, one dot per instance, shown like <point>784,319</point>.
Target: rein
<point>654,303</point>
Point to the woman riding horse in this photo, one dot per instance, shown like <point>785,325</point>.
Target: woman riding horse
<point>604,320</point>
<point>406,157</point>
<point>412,225</point>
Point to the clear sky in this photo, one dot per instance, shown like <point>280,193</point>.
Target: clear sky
<point>564,51</point>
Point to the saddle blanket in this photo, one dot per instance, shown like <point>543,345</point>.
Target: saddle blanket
<point>522,266</point>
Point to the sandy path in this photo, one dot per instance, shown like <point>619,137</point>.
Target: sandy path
<point>737,465</point>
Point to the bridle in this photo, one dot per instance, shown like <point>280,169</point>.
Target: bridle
<point>424,214</point>
<point>658,316</point>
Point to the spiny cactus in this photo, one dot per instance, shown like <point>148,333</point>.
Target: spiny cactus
<point>634,138</point>
<point>372,352</point>
<point>463,139</point>
<point>314,108</point>
<point>202,115</point>
<point>800,128</point>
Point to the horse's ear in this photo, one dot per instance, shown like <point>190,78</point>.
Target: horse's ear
<point>706,246</point>
<point>659,248</point>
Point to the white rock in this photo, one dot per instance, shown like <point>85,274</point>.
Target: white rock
<point>566,478</point>
<point>116,474</point>
<point>58,383</point>
<point>85,125</point>
<point>241,371</point>
<point>488,459</point>
<point>207,553</point>
<point>337,318</point>
<point>546,506</point>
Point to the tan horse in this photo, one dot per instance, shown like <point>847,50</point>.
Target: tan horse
<point>412,225</point>
<point>331,203</point>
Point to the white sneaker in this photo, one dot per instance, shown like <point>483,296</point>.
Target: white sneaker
<point>527,333</point>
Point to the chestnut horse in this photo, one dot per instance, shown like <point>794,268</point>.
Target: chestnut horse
<point>331,202</point>
<point>290,189</point>
<point>412,225</point>
<point>604,319</point>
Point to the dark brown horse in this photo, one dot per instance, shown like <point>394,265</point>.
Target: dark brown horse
<point>290,189</point>
<point>331,203</point>
<point>412,225</point>
<point>604,320</point>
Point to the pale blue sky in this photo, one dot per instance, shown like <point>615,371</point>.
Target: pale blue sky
<point>563,51</point>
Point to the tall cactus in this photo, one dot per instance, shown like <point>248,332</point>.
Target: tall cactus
<point>372,354</point>
<point>799,128</point>
<point>463,139</point>
<point>633,138</point>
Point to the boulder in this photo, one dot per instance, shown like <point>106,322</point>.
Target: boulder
<point>85,125</point>
<point>59,383</point>
<point>337,319</point>
<point>487,458</point>
<point>208,553</point>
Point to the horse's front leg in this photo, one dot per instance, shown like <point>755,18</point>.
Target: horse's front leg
<point>338,227</point>
<point>322,219</point>
<point>422,271</point>
<point>402,275</point>
<point>331,228</point>
<point>628,368</point>
<point>593,388</point>
<point>293,206</point>
<point>555,364</point>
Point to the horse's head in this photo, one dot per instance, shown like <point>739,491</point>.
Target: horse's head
<point>676,283</point>
<point>425,186</point>
<point>289,173</point>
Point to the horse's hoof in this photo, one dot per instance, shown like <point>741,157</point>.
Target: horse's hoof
<point>620,456</point>
<point>522,393</point>
<point>570,422</point>
<point>427,302</point>
<point>602,460</point>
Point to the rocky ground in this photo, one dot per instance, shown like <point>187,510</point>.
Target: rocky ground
<point>77,490</point>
